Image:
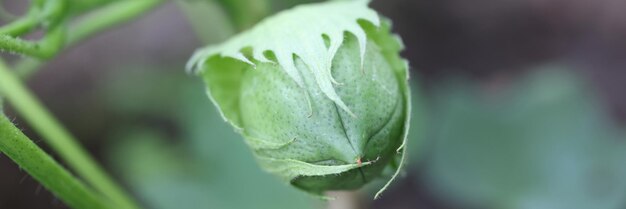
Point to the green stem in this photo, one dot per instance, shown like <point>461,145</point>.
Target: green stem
<point>82,6</point>
<point>22,25</point>
<point>111,15</point>
<point>59,139</point>
<point>50,11</point>
<point>43,49</point>
<point>15,145</point>
<point>53,11</point>
<point>19,26</point>
<point>17,45</point>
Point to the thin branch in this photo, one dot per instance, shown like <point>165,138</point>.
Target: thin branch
<point>43,49</point>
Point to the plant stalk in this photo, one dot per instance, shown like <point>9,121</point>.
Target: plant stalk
<point>33,160</point>
<point>60,140</point>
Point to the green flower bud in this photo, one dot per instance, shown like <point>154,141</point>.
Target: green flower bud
<point>311,128</point>
<point>319,95</point>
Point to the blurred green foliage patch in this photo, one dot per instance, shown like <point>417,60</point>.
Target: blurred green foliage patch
<point>541,142</point>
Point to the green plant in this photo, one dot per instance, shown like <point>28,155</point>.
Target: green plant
<point>85,184</point>
<point>323,101</point>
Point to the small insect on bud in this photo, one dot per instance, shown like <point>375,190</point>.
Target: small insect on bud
<point>318,92</point>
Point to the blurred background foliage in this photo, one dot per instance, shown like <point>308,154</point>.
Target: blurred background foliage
<point>519,104</point>
<point>539,142</point>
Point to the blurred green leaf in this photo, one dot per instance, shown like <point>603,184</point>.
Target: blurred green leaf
<point>541,143</point>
